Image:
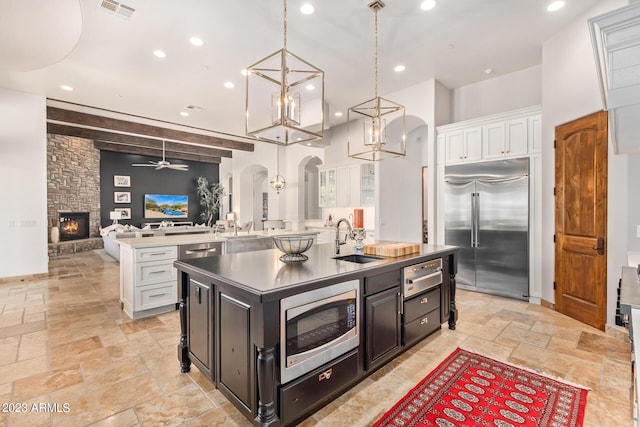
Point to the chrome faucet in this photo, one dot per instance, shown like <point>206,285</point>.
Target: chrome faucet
<point>348,235</point>
<point>235,228</point>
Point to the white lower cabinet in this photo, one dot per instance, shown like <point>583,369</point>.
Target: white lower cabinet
<point>148,280</point>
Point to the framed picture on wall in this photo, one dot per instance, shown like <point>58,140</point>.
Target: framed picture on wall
<point>121,181</point>
<point>122,197</point>
<point>125,213</point>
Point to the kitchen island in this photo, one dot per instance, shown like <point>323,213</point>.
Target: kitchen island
<point>236,328</point>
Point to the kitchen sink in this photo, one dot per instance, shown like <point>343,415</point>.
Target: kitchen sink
<point>360,259</point>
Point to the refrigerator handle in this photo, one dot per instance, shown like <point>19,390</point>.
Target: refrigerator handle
<point>476,220</point>
<point>473,220</point>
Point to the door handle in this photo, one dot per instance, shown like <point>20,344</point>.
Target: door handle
<point>599,246</point>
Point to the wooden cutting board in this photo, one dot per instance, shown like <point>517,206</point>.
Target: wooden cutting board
<point>391,249</point>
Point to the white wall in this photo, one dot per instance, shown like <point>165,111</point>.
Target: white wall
<point>281,206</point>
<point>569,91</point>
<point>23,166</point>
<point>633,198</point>
<point>499,94</point>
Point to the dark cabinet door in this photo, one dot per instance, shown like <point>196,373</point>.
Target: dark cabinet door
<point>200,321</point>
<point>234,347</point>
<point>382,325</point>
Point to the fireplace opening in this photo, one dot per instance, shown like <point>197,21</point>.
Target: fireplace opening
<point>74,225</point>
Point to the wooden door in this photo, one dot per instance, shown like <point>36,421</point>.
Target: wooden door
<point>581,219</point>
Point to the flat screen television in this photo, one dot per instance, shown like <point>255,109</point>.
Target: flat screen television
<point>166,206</point>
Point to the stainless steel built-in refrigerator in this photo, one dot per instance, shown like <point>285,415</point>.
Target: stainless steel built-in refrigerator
<point>487,215</point>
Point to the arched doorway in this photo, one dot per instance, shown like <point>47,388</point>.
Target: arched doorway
<point>253,201</point>
<point>308,207</point>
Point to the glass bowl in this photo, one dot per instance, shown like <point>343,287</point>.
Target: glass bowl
<point>293,247</point>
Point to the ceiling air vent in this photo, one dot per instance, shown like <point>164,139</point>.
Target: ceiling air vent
<point>117,8</point>
<point>194,108</point>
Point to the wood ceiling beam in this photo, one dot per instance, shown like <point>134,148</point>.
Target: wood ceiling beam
<point>68,116</point>
<point>134,141</point>
<point>131,149</point>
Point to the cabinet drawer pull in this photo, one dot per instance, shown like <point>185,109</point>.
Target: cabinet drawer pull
<point>158,272</point>
<point>424,321</point>
<point>326,375</point>
<point>158,253</point>
<point>157,295</point>
<point>424,300</point>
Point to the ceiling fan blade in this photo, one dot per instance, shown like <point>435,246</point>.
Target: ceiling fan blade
<point>179,167</point>
<point>158,167</point>
<point>142,164</point>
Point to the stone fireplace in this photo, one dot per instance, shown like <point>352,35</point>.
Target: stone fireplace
<point>73,225</point>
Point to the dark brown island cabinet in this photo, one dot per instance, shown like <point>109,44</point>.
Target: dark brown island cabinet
<point>281,340</point>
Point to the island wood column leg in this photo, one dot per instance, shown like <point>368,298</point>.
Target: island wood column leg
<point>266,370</point>
<point>183,346</point>
<point>453,310</point>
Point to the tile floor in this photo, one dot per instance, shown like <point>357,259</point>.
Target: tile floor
<point>64,342</point>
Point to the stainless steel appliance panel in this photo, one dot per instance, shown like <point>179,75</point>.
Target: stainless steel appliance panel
<point>502,246</point>
<point>199,250</point>
<point>458,228</point>
<point>487,216</point>
<point>421,277</point>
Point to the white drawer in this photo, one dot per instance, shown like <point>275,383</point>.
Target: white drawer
<point>155,254</point>
<point>154,272</point>
<point>156,295</point>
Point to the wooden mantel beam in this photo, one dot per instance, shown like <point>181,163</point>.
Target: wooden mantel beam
<point>116,125</point>
<point>130,149</point>
<point>133,141</point>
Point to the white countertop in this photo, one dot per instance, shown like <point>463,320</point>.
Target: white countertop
<point>185,239</point>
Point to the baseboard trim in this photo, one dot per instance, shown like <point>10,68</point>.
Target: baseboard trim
<point>547,304</point>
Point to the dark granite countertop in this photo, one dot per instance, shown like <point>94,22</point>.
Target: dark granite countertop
<point>262,274</point>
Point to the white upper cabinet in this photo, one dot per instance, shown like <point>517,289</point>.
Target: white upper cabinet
<point>505,139</point>
<point>341,186</point>
<point>464,145</point>
<point>513,134</point>
<point>348,185</point>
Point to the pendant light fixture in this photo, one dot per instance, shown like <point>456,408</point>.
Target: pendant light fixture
<point>284,98</point>
<point>383,122</point>
<point>278,182</point>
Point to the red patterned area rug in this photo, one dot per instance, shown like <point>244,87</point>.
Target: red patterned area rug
<point>468,389</point>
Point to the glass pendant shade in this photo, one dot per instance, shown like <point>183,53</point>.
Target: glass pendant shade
<point>284,99</point>
<point>382,130</point>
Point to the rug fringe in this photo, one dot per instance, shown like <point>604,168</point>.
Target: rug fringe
<point>533,371</point>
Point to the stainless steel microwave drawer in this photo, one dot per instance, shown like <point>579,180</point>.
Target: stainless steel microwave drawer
<point>421,304</point>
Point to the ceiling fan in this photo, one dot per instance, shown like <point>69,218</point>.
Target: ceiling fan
<point>163,163</point>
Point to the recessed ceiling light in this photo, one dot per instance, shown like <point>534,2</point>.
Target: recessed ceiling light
<point>428,4</point>
<point>307,9</point>
<point>229,85</point>
<point>196,41</point>
<point>244,72</point>
<point>555,5</point>
<point>310,87</point>
<point>159,53</point>
<point>66,87</point>
<point>338,114</point>
<point>488,70</point>
<point>399,68</point>
<point>184,114</point>
<point>308,144</point>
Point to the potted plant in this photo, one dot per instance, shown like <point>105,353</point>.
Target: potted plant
<point>210,199</point>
